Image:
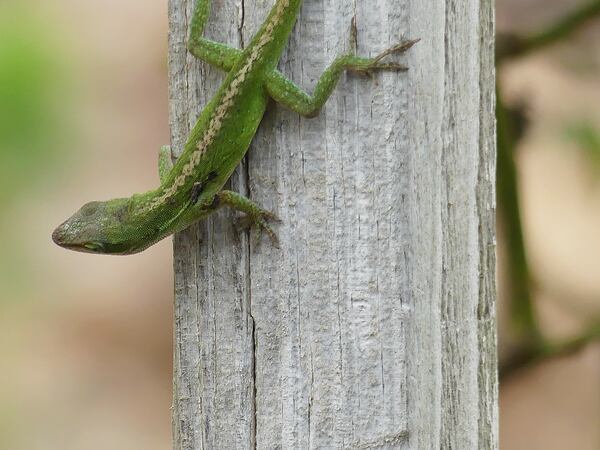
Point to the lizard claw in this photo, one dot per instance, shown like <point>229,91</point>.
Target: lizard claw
<point>376,64</point>
<point>353,34</point>
<point>260,221</point>
<point>399,48</point>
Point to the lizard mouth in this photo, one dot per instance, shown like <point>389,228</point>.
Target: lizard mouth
<point>60,238</point>
<point>77,248</point>
<point>83,248</point>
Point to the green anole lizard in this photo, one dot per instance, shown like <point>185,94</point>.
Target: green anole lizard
<point>192,188</point>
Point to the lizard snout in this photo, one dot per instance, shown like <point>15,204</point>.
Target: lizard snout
<point>58,235</point>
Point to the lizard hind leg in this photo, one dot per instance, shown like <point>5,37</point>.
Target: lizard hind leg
<point>214,53</point>
<point>375,62</point>
<point>287,93</point>
<point>399,48</point>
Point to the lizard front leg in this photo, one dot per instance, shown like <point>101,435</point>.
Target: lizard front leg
<point>255,215</point>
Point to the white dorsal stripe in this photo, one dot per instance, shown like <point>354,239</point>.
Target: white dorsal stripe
<point>216,121</point>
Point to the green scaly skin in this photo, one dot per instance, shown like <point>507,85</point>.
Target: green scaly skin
<point>191,190</point>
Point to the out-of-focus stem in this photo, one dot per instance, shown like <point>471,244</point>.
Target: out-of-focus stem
<point>511,46</point>
<point>532,345</point>
<point>522,315</point>
<point>532,355</point>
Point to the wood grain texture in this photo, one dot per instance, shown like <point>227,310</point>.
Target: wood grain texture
<point>213,388</point>
<point>373,326</point>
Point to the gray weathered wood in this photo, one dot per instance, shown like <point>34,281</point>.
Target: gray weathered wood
<point>373,325</point>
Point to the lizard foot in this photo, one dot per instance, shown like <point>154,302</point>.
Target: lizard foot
<point>399,48</point>
<point>375,64</point>
<point>260,221</point>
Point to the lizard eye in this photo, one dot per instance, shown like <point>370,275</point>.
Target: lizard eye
<point>89,209</point>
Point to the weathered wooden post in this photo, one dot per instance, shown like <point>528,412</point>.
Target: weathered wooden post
<point>373,326</point>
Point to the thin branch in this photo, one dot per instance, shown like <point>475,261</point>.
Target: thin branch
<point>534,347</point>
<point>534,355</point>
<point>512,45</point>
<point>522,315</point>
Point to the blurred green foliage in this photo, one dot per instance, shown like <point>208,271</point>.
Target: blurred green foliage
<point>531,343</point>
<point>587,137</point>
<point>33,125</point>
<point>34,129</point>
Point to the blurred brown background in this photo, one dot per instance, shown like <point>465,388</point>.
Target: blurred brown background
<point>85,341</point>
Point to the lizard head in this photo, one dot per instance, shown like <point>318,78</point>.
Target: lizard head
<point>101,227</point>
